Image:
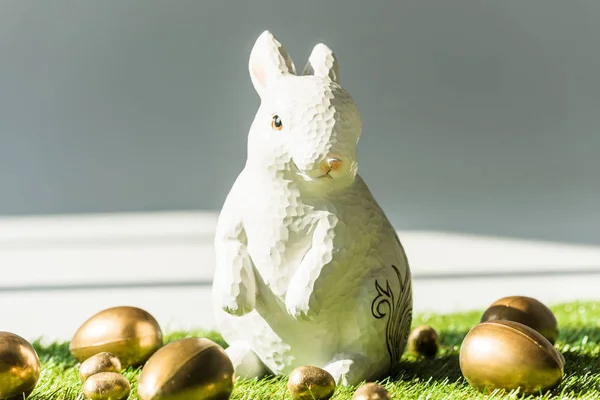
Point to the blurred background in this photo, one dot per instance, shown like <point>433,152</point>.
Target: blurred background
<point>124,124</point>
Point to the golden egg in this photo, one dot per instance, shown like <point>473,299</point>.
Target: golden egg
<point>101,362</point>
<point>19,367</point>
<point>187,369</point>
<point>106,386</point>
<point>371,391</point>
<point>311,383</point>
<point>509,355</point>
<point>423,341</point>
<point>129,333</point>
<point>526,310</point>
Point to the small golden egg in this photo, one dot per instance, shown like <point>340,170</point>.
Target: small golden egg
<point>19,367</point>
<point>106,386</point>
<point>101,362</point>
<point>508,355</point>
<point>525,310</point>
<point>187,369</point>
<point>371,391</point>
<point>130,333</point>
<point>311,383</point>
<point>423,341</point>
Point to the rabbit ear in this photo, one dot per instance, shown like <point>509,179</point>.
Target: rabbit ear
<point>322,62</point>
<point>268,60</point>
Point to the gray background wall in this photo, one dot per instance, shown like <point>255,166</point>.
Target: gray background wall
<point>479,116</point>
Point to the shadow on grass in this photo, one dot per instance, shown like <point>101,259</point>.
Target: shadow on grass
<point>582,373</point>
<point>443,368</point>
<point>440,369</point>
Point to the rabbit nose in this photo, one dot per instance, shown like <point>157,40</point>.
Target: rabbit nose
<point>334,163</point>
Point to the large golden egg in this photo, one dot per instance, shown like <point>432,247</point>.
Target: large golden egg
<point>187,369</point>
<point>106,386</point>
<point>130,333</point>
<point>371,391</point>
<point>525,310</point>
<point>311,383</point>
<point>509,355</point>
<point>19,367</point>
<point>101,362</point>
<point>423,341</point>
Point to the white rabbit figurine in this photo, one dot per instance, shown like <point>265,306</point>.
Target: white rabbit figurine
<point>309,269</point>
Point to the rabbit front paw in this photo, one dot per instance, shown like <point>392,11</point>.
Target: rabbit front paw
<point>233,307</point>
<point>297,305</point>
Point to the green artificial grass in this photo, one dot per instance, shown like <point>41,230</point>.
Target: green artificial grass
<point>438,378</point>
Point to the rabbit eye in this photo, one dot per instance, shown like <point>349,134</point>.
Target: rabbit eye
<point>276,123</point>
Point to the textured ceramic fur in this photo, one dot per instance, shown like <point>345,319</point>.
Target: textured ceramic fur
<point>309,269</point>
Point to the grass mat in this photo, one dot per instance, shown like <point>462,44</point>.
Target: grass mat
<point>439,378</point>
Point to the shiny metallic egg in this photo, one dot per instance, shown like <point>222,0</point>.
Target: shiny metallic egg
<point>525,310</point>
<point>19,367</point>
<point>187,369</point>
<point>371,391</point>
<point>423,341</point>
<point>101,362</point>
<point>106,386</point>
<point>509,355</point>
<point>310,383</point>
<point>130,333</point>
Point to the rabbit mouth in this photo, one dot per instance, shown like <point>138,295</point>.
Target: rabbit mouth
<point>308,177</point>
<point>325,175</point>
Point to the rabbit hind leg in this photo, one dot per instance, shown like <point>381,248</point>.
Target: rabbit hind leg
<point>349,369</point>
<point>246,363</point>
